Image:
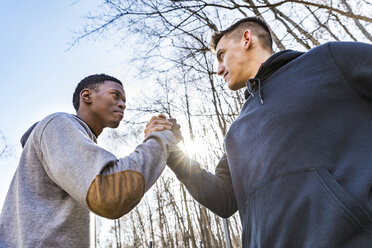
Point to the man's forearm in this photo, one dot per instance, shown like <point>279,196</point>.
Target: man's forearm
<point>121,184</point>
<point>214,191</point>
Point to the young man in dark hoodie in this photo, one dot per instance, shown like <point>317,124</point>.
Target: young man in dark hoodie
<point>63,174</point>
<point>298,161</point>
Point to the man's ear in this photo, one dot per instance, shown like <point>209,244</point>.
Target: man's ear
<point>86,96</point>
<point>247,39</point>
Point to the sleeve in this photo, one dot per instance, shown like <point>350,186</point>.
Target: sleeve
<point>108,186</point>
<point>354,60</point>
<point>214,191</point>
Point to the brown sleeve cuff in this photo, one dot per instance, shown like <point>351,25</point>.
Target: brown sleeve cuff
<point>111,196</point>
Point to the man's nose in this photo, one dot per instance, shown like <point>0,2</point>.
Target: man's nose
<point>122,105</point>
<point>220,69</point>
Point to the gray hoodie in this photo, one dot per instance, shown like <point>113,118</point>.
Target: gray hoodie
<point>62,174</point>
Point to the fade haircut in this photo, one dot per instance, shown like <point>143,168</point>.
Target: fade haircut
<point>258,27</point>
<point>91,82</point>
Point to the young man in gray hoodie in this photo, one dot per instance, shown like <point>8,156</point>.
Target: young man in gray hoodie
<point>63,175</point>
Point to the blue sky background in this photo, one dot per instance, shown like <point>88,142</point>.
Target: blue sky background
<point>38,74</point>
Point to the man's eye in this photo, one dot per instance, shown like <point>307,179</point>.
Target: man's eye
<point>221,55</point>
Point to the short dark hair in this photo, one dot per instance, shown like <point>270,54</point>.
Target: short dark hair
<point>256,24</point>
<point>91,82</point>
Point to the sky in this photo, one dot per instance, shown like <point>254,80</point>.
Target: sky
<point>39,73</point>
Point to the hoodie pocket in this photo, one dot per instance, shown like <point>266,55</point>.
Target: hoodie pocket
<point>305,209</point>
<point>345,201</point>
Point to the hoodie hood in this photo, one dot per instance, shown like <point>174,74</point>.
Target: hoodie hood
<point>271,65</point>
<point>25,136</point>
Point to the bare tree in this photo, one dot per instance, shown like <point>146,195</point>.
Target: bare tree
<point>5,149</point>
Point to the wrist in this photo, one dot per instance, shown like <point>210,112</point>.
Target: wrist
<point>176,158</point>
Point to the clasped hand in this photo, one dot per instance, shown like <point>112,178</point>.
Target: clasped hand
<point>160,122</point>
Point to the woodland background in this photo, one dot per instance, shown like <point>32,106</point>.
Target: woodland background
<point>172,59</point>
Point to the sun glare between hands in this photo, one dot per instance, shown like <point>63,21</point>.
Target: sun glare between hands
<point>193,148</point>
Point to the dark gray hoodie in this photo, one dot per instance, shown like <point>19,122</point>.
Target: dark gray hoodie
<point>298,163</point>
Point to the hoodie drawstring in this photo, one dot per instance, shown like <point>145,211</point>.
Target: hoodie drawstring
<point>251,83</point>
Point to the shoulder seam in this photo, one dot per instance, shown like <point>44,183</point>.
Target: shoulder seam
<point>340,70</point>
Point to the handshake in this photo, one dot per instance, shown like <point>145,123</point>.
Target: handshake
<point>160,122</point>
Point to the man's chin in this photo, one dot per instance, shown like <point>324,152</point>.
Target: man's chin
<point>114,124</point>
<point>234,86</point>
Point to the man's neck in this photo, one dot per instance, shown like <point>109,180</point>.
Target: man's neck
<point>91,124</point>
